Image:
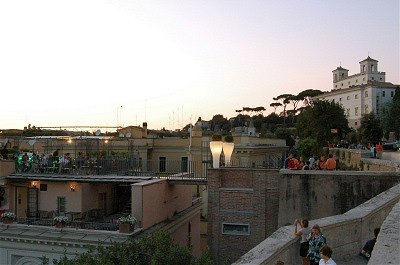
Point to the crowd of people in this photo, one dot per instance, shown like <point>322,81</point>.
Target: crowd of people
<point>292,162</point>
<point>313,244</point>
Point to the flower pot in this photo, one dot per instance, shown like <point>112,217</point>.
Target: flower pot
<point>7,220</point>
<point>126,228</point>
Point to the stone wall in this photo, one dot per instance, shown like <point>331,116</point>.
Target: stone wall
<point>345,233</point>
<point>265,200</point>
<point>387,247</point>
<point>315,194</point>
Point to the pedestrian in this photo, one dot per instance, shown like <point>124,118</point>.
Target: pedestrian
<point>369,246</point>
<point>326,254</point>
<point>316,241</point>
<point>302,230</point>
<point>330,163</point>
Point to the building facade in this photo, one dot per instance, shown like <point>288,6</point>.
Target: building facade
<point>361,93</point>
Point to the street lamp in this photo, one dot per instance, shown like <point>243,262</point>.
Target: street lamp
<point>216,149</point>
<point>228,150</point>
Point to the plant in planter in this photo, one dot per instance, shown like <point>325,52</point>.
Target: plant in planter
<point>127,223</point>
<point>60,221</point>
<point>8,217</point>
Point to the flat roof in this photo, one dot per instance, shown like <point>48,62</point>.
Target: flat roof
<point>79,178</point>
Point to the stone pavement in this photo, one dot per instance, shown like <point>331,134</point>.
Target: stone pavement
<point>353,260</point>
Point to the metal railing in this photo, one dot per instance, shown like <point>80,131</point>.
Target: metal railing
<point>138,167</point>
<point>70,224</point>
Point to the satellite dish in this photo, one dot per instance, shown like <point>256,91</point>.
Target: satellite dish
<point>128,135</point>
<point>121,135</point>
<point>98,132</point>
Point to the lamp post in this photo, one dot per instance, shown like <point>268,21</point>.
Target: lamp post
<point>228,150</point>
<point>216,149</point>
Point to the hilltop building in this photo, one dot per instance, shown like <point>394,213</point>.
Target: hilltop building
<point>360,93</point>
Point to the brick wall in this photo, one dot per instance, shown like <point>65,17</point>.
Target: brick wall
<point>241,196</point>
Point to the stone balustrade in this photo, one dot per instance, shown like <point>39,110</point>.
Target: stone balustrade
<point>346,233</point>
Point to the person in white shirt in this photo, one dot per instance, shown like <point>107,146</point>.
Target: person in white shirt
<point>326,254</point>
<point>303,231</point>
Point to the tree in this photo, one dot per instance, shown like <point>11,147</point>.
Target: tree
<point>317,121</point>
<point>307,94</point>
<point>285,100</point>
<point>391,116</point>
<point>275,105</point>
<point>158,248</point>
<point>219,122</point>
<point>370,130</point>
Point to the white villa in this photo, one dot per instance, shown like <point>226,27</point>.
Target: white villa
<point>360,93</point>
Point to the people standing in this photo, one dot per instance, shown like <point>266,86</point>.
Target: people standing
<point>302,230</point>
<point>369,246</point>
<point>316,242</point>
<point>379,150</point>
<point>326,254</point>
<point>330,163</point>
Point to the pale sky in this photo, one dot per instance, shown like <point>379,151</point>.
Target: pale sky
<point>109,63</point>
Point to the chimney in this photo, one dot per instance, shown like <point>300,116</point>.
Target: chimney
<point>145,129</point>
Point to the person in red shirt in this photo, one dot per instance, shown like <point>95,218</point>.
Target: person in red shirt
<point>293,163</point>
<point>379,150</point>
<point>330,163</point>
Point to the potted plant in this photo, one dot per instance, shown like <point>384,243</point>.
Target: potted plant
<point>126,223</point>
<point>8,217</point>
<point>60,221</point>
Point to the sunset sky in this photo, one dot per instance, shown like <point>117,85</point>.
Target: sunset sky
<point>109,63</point>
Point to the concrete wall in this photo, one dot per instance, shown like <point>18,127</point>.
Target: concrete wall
<point>265,200</point>
<point>387,247</point>
<point>315,194</point>
<point>158,201</point>
<point>345,233</point>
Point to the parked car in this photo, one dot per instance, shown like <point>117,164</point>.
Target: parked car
<point>391,146</point>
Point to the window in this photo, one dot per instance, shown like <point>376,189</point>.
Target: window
<point>61,205</point>
<point>162,164</point>
<point>43,187</point>
<point>184,164</point>
<point>383,93</point>
<point>366,94</point>
<point>355,96</point>
<point>363,68</point>
<point>340,99</point>
<point>363,78</point>
<point>372,78</point>
<point>356,111</point>
<point>356,80</point>
<point>355,123</point>
<point>235,229</point>
<point>342,84</point>
<point>348,97</point>
<point>335,85</point>
<point>380,78</point>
